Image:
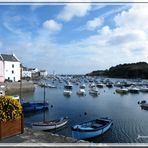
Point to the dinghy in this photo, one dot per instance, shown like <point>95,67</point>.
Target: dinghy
<point>91,129</point>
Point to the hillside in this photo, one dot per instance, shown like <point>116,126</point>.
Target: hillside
<point>132,70</point>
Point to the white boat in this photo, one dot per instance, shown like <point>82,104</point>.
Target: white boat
<point>83,86</point>
<point>67,92</point>
<point>51,86</point>
<point>94,91</point>
<point>144,89</point>
<point>50,125</point>
<point>133,89</point>
<point>81,92</point>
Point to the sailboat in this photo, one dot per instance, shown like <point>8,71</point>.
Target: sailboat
<point>50,124</point>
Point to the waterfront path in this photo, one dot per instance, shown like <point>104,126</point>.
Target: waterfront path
<point>38,137</point>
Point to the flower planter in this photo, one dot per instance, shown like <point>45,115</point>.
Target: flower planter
<point>11,127</point>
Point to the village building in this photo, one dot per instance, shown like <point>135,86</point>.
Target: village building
<point>43,73</point>
<point>2,77</point>
<point>26,73</point>
<point>11,67</point>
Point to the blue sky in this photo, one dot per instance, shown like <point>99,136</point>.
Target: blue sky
<point>74,38</point>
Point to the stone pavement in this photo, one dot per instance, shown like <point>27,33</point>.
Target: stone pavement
<point>38,137</point>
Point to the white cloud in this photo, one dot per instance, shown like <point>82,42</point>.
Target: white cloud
<point>127,42</point>
<point>136,17</point>
<point>72,10</point>
<point>52,25</point>
<point>94,24</point>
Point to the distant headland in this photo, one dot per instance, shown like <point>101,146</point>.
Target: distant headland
<point>130,70</point>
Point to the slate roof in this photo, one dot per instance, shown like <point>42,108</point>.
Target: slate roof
<point>7,57</point>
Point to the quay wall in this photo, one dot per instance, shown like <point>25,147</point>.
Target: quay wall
<point>16,87</point>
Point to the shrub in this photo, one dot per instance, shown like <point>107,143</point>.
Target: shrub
<point>9,108</point>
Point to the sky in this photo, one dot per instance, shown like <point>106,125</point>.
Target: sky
<point>75,38</point>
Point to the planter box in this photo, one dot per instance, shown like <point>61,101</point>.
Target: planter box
<point>11,128</point>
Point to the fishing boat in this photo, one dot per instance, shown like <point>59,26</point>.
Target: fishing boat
<point>49,124</point>
<point>91,128</point>
<point>34,106</point>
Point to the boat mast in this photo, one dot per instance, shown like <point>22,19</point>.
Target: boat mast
<point>20,82</point>
<point>44,105</point>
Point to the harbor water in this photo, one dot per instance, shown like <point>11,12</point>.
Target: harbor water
<point>129,120</point>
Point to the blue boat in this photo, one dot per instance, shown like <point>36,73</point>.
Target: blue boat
<point>33,106</point>
<point>91,128</point>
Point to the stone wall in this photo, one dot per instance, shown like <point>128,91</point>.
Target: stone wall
<point>15,87</point>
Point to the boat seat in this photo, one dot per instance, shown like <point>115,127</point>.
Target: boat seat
<point>95,125</point>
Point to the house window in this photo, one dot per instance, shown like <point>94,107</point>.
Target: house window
<point>12,65</point>
<point>12,71</point>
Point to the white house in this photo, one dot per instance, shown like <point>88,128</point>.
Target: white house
<point>43,73</point>
<point>11,67</point>
<point>26,73</point>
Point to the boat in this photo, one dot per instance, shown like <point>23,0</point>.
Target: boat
<point>109,85</point>
<point>34,106</point>
<point>67,92</point>
<point>122,90</point>
<point>91,128</point>
<point>68,86</point>
<point>50,124</point>
<point>51,86</point>
<point>100,85</point>
<point>81,92</point>
<point>83,86</point>
<point>133,89</point>
<point>67,89</point>
<point>143,104</point>
<point>94,91</point>
<point>144,89</point>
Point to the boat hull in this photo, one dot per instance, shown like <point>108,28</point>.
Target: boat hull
<point>47,126</point>
<point>85,134</point>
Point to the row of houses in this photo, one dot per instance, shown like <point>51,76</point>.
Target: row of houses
<point>11,69</point>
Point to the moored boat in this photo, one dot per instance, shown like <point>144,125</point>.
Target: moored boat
<point>33,106</point>
<point>81,92</point>
<point>94,91</point>
<point>133,89</point>
<point>50,124</point>
<point>122,90</point>
<point>91,128</point>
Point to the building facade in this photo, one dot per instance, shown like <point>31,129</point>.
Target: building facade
<point>11,67</point>
<point>2,77</point>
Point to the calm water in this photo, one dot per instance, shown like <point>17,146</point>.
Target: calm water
<point>129,120</point>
